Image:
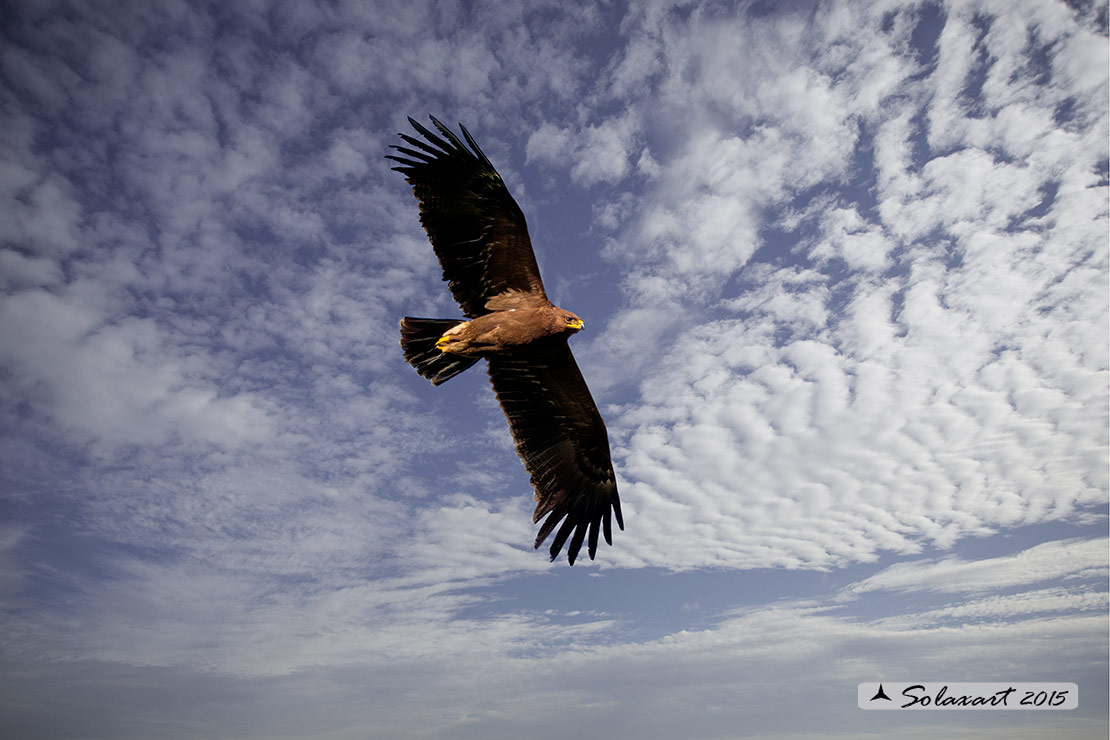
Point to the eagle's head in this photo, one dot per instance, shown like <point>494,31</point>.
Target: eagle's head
<point>570,322</point>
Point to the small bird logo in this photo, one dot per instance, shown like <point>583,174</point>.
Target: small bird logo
<point>880,694</point>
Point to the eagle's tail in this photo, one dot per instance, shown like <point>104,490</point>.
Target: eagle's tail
<point>418,340</point>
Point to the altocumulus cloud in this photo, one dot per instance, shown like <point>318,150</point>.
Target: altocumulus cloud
<point>844,271</point>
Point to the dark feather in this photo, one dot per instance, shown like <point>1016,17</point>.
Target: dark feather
<point>418,342</point>
<point>562,440</point>
<point>477,230</point>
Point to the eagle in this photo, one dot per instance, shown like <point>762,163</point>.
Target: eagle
<point>480,237</point>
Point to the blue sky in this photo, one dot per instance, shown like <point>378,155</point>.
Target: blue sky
<point>844,273</point>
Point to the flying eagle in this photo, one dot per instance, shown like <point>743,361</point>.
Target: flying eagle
<point>479,234</point>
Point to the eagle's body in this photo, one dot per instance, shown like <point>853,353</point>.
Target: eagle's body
<point>501,330</point>
<point>480,237</point>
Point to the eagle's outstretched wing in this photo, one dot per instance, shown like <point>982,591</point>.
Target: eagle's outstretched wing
<point>476,228</point>
<point>562,440</point>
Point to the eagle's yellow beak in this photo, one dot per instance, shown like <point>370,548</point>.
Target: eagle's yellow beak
<point>576,324</point>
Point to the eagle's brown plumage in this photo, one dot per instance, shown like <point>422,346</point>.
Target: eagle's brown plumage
<point>481,239</point>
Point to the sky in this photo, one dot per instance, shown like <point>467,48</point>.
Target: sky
<point>844,273</point>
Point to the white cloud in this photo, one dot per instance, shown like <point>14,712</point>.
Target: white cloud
<point>905,420</point>
<point>548,144</point>
<point>932,406</point>
<point>1045,601</point>
<point>113,384</point>
<point>43,215</point>
<point>847,236</point>
<point>600,153</point>
<point>1053,562</point>
<point>640,60</point>
<point>414,637</point>
<point>24,272</point>
<point>605,150</point>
